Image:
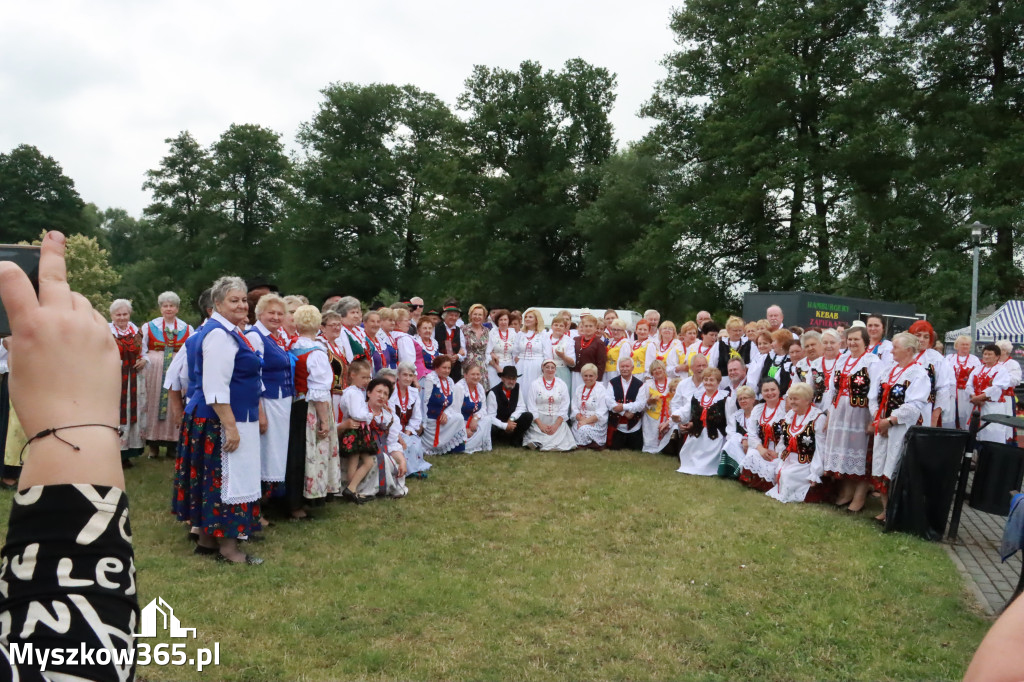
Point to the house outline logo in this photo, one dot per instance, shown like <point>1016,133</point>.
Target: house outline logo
<point>160,608</point>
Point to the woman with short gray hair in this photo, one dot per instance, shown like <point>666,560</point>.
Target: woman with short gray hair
<point>162,338</point>
<point>133,390</point>
<point>353,341</point>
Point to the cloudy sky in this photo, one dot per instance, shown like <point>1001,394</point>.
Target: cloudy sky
<point>99,85</point>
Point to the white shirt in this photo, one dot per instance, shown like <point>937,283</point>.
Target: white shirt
<point>413,403</point>
<point>321,376</point>
<point>219,351</point>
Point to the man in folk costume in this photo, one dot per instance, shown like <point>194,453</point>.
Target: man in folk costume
<point>626,405</point>
<point>987,387</point>
<point>449,336</point>
<point>506,409</point>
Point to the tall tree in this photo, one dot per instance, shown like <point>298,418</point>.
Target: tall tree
<point>35,195</point>
<point>367,187</point>
<point>537,139</point>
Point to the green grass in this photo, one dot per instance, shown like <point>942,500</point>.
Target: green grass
<point>517,565</point>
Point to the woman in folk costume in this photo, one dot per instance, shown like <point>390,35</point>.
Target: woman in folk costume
<point>588,348</point>
<point>133,390</point>
<point>898,400</point>
<point>161,339</point>
<point>1014,369</point>
<point>503,346</point>
<point>387,478</point>
<point>386,337</point>
<point>638,349</point>
<point>688,387</point>
<point>590,409</point>
<point>940,378</point>
<point>777,364</point>
<point>530,346</point>
<point>707,345</point>
<point>352,340</point>
<point>762,346</point>
<point>626,402</point>
<point>278,391</point>
<point>606,329</point>
<point>878,345</point>
<point>405,403</point>
<point>617,344</point>
<point>665,349</point>
<point>559,346</point>
<point>689,333</point>
<point>444,429</point>
<point>330,330</point>
<point>473,408</point>
<point>810,343</point>
<point>376,347</point>
<point>845,449</point>
<point>657,423</point>
<point>799,474</point>
<point>733,345</point>
<point>404,343</point>
<point>288,330</point>
<point>548,401</point>
<point>706,418</point>
<point>988,386</point>
<point>218,490</point>
<point>478,342</point>
<point>823,369</point>
<point>757,470</point>
<point>313,467</point>
<point>961,364</point>
<point>427,347</point>
<point>739,432</point>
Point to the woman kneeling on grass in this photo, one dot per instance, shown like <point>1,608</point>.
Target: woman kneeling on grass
<point>387,478</point>
<point>474,412</point>
<point>757,470</point>
<point>444,430</point>
<point>706,418</point>
<point>590,409</point>
<point>798,477</point>
<point>548,402</point>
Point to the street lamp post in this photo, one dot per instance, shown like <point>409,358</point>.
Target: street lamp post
<point>977,229</point>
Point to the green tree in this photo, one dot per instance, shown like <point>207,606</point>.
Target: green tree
<point>35,195</point>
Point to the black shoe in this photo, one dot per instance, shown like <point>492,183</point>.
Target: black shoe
<point>350,496</point>
<point>206,551</point>
<point>249,560</point>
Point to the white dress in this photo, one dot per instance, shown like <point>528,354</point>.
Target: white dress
<point>740,426</point>
<point>936,366</point>
<point>530,350</point>
<point>568,347</point>
<point>383,480</point>
<point>845,450</point>
<point>763,421</point>
<point>503,345</point>
<point>438,396</point>
<point>993,382</point>
<point>408,409</point>
<point>701,454</point>
<point>671,355</point>
<point>548,402</point>
<point>480,441</point>
<point>657,414</point>
<point>591,402</point>
<point>794,478</point>
<point>913,383</point>
<point>961,367</point>
<point>278,411</point>
<point>882,350</point>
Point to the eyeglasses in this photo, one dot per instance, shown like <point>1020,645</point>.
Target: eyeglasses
<point>413,306</point>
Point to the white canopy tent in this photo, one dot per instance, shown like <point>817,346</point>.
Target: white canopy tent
<point>1005,323</point>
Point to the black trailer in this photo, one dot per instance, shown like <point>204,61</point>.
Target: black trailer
<point>823,311</point>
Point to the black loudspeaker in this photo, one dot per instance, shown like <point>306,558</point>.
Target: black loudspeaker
<point>1000,470</point>
<point>921,493</point>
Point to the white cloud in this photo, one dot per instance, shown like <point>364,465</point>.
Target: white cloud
<point>99,85</point>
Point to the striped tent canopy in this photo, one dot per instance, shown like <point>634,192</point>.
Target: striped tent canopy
<point>1005,323</point>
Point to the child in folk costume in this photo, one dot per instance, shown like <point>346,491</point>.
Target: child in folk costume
<point>987,387</point>
<point>617,344</point>
<point>473,408</point>
<point>739,431</point>
<point>706,418</point>
<point>354,440</point>
<point>387,479</point>
<point>405,403</point>
<point>313,468</point>
<point>898,400</point>
<point>590,409</point>
<point>757,470</point>
<point>962,363</point>
<point>503,345</point>
<point>657,423</point>
<point>444,429</point>
<point>560,348</point>
<point>798,475</point>
<point>549,402</point>
<point>427,348</point>
<point>131,426</point>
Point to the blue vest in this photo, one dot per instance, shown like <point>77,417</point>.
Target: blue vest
<point>245,379</point>
<point>191,348</point>
<point>278,368</point>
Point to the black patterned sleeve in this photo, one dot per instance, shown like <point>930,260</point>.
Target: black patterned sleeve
<point>67,581</point>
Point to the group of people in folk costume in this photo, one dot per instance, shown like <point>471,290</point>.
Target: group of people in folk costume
<point>286,404</point>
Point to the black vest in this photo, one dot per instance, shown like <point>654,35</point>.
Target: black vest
<point>506,406</point>
<point>634,388</point>
<point>441,336</point>
<point>725,354</point>
<point>782,376</point>
<point>716,418</point>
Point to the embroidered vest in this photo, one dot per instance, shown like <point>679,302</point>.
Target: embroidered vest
<point>631,393</point>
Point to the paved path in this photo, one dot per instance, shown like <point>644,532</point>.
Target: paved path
<point>976,554</point>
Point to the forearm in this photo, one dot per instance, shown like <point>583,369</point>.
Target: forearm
<point>225,415</point>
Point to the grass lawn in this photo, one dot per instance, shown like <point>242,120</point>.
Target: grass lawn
<point>517,565</point>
